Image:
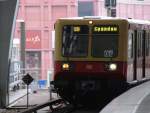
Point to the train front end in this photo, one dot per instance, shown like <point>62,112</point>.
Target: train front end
<point>90,62</point>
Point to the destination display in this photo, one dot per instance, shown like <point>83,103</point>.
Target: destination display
<point>103,29</point>
<point>76,29</point>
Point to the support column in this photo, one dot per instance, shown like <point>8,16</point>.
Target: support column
<point>8,13</point>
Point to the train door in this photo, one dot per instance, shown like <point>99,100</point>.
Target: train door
<point>132,55</point>
<point>139,56</point>
<point>143,52</point>
<point>135,56</point>
<point>130,66</point>
<point>147,59</point>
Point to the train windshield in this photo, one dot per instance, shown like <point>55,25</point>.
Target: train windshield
<point>75,40</point>
<point>105,41</point>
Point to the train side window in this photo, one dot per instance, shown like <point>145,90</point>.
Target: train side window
<point>132,50</point>
<point>147,44</point>
<point>139,44</point>
<point>130,44</point>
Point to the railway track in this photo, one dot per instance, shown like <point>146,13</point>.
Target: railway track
<point>60,106</point>
<point>53,106</point>
<point>57,106</point>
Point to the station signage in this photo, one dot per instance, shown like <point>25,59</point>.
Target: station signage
<point>98,29</point>
<point>33,39</point>
<point>76,29</point>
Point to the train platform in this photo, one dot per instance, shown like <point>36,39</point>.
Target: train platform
<point>135,100</point>
<point>13,96</point>
<point>41,96</point>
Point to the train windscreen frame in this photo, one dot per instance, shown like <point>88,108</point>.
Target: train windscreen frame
<point>75,40</point>
<point>105,40</point>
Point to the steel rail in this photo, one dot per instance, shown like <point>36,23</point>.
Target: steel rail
<point>40,106</point>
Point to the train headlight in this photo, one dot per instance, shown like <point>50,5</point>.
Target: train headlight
<point>90,22</point>
<point>112,67</point>
<point>65,66</point>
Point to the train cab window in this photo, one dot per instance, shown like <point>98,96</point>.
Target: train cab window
<point>107,37</point>
<point>75,40</point>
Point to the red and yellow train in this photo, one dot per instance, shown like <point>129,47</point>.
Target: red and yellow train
<point>95,57</point>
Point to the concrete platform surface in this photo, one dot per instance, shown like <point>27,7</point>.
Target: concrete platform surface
<point>41,96</point>
<point>135,100</point>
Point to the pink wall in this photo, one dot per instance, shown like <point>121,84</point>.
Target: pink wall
<point>126,10</point>
<point>135,11</point>
<point>40,15</point>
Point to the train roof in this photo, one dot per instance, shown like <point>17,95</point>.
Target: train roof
<point>130,20</point>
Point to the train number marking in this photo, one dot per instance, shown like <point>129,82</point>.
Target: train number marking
<point>108,53</point>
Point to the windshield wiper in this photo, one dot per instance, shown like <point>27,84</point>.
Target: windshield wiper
<point>72,44</point>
